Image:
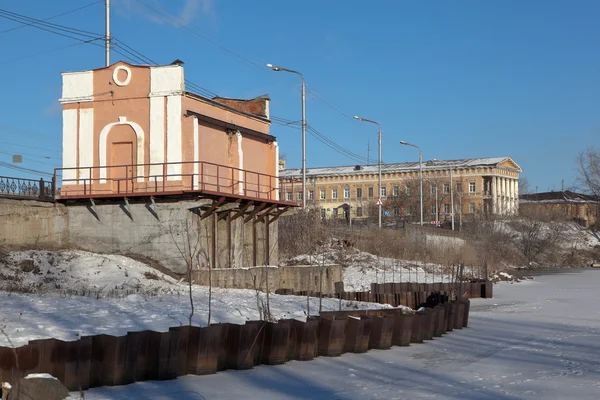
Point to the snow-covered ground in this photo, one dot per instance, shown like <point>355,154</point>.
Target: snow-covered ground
<point>535,339</point>
<point>362,268</point>
<point>73,293</point>
<point>69,273</point>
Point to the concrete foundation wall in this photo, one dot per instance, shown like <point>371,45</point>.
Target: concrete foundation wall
<point>32,223</point>
<point>298,278</point>
<point>160,231</point>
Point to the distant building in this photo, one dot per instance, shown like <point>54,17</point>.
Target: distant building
<point>582,208</point>
<point>479,185</point>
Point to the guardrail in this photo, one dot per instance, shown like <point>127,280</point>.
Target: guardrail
<point>166,178</point>
<point>19,188</point>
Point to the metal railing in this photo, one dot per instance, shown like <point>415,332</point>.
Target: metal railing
<point>20,188</point>
<point>166,178</point>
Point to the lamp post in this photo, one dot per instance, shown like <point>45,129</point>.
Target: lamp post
<point>277,69</point>
<point>379,166</point>
<point>420,173</point>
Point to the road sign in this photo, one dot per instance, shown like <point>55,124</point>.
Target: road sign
<point>379,202</point>
<point>443,213</point>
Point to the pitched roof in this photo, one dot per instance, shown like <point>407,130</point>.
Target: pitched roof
<point>401,167</point>
<point>566,196</point>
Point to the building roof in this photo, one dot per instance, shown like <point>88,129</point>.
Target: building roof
<point>565,196</point>
<point>402,167</point>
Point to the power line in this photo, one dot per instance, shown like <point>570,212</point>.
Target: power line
<point>26,170</point>
<point>56,29</point>
<point>47,52</point>
<point>330,105</point>
<point>33,161</point>
<point>30,155</point>
<point>30,147</point>
<point>334,146</point>
<point>182,24</point>
<point>54,16</point>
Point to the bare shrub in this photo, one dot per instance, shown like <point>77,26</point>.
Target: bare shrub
<point>151,276</point>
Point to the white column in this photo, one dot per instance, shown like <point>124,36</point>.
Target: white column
<point>494,200</point>
<point>498,194</point>
<point>517,195</point>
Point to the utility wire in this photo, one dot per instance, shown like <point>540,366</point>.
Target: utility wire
<point>182,23</point>
<point>54,16</point>
<point>30,147</point>
<point>49,27</point>
<point>334,146</point>
<point>26,170</point>
<point>47,52</point>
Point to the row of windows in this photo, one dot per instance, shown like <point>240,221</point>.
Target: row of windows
<point>396,210</point>
<point>359,192</point>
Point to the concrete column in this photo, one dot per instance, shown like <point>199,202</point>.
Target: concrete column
<point>494,199</point>
<point>517,195</point>
<point>513,200</point>
<point>504,196</point>
<point>499,195</point>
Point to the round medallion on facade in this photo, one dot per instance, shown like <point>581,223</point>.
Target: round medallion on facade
<point>118,75</point>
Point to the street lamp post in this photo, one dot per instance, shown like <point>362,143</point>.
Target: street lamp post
<point>379,166</point>
<point>276,68</point>
<point>420,173</point>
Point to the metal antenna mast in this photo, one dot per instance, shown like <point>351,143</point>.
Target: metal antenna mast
<point>107,38</point>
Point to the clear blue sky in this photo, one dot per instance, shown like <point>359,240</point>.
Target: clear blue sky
<point>459,78</point>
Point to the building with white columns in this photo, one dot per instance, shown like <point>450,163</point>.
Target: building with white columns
<point>479,186</point>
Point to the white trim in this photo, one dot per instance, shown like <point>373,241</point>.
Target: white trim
<point>240,163</point>
<point>115,75</point>
<point>157,136</point>
<point>166,80</point>
<point>174,141</point>
<point>77,87</point>
<point>86,141</point>
<point>139,133</point>
<point>196,151</point>
<point>69,145</point>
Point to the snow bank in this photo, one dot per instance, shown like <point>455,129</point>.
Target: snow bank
<point>81,273</point>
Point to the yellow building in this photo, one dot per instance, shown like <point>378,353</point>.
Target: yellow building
<point>479,185</point>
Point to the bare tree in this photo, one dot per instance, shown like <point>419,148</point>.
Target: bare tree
<point>538,232</point>
<point>589,171</point>
<point>523,185</point>
<point>187,239</point>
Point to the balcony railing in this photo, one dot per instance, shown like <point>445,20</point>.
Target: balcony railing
<point>165,179</point>
<point>26,188</point>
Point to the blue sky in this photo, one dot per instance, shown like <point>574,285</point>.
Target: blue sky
<point>459,78</point>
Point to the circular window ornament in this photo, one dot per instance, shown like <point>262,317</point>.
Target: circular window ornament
<point>118,81</point>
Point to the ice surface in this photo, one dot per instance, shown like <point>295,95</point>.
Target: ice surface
<point>532,341</point>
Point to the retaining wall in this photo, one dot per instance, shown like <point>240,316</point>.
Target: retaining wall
<point>300,278</point>
<point>138,228</point>
<point>105,360</point>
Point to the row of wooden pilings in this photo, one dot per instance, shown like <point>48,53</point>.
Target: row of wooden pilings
<point>105,360</point>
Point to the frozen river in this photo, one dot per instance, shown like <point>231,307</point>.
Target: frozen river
<point>535,340</point>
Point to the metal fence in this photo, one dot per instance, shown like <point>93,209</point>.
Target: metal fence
<point>20,188</point>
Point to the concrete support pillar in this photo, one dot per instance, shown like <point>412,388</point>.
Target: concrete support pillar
<point>499,196</point>
<point>494,199</point>
<point>517,195</point>
<point>513,200</point>
<point>504,196</point>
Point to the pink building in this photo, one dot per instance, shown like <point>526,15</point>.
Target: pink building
<point>131,130</point>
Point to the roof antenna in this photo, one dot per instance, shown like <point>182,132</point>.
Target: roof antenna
<point>107,38</point>
<point>562,185</point>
